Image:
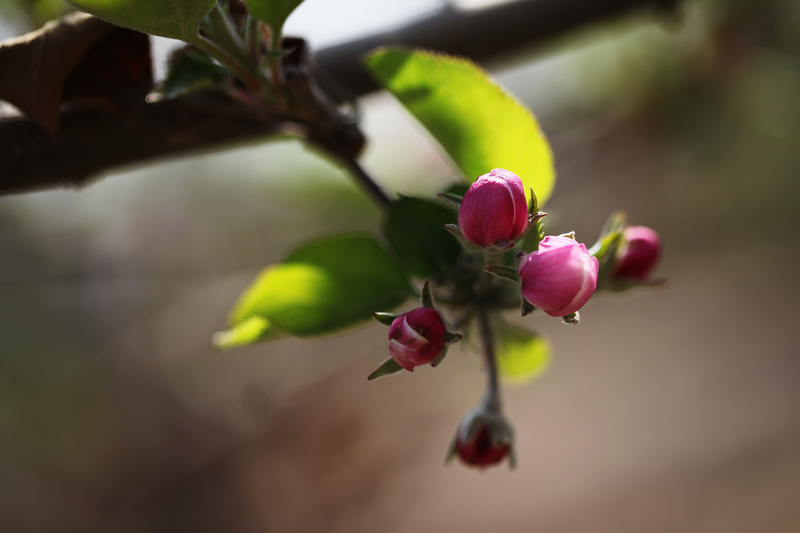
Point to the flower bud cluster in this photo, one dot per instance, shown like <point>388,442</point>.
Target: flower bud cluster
<point>558,277</point>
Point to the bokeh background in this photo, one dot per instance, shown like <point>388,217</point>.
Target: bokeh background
<point>676,410</point>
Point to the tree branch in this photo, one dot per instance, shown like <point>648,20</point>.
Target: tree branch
<point>484,35</point>
<point>90,141</point>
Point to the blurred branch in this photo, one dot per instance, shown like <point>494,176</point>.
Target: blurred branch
<point>484,35</point>
<point>90,141</point>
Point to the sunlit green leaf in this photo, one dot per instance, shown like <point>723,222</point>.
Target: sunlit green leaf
<point>319,288</point>
<point>177,19</point>
<point>255,328</point>
<point>521,354</point>
<point>415,228</point>
<point>273,12</point>
<point>479,125</point>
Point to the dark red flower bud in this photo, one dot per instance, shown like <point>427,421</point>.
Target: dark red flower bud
<point>484,439</point>
<point>417,337</point>
<point>638,254</point>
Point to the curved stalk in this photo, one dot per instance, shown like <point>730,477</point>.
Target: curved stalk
<point>370,187</point>
<point>491,401</point>
<point>225,34</point>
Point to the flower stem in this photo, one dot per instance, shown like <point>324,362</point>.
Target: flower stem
<point>370,187</point>
<point>224,33</point>
<point>224,57</point>
<point>491,401</point>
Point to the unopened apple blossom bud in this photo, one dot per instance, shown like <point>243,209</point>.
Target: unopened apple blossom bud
<point>638,254</point>
<point>559,277</point>
<point>483,439</point>
<point>494,209</point>
<point>417,337</point>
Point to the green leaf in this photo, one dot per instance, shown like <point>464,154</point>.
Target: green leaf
<point>521,354</point>
<point>191,69</point>
<point>255,328</point>
<point>273,12</point>
<point>324,286</point>
<point>176,19</point>
<point>415,229</point>
<point>479,125</point>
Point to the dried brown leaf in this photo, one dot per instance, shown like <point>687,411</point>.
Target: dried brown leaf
<point>34,67</point>
<point>115,73</point>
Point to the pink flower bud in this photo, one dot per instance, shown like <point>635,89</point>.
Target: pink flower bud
<point>560,277</point>
<point>483,439</point>
<point>494,209</point>
<point>417,337</point>
<point>638,254</point>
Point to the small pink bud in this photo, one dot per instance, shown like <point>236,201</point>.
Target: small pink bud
<point>417,337</point>
<point>638,254</point>
<point>483,439</point>
<point>560,277</point>
<point>494,209</point>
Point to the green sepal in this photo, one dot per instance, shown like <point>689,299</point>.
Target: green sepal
<point>534,233</point>
<point>503,246</point>
<point>527,307</point>
<point>512,459</point>
<point>605,249</point>
<point>384,318</point>
<point>609,236</point>
<point>453,200</point>
<point>504,272</point>
<point>439,358</point>
<point>426,297</point>
<point>452,450</point>
<point>451,337</point>
<point>387,368</point>
<point>533,206</point>
<point>455,230</point>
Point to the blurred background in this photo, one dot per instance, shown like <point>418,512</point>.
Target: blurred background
<point>675,410</point>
